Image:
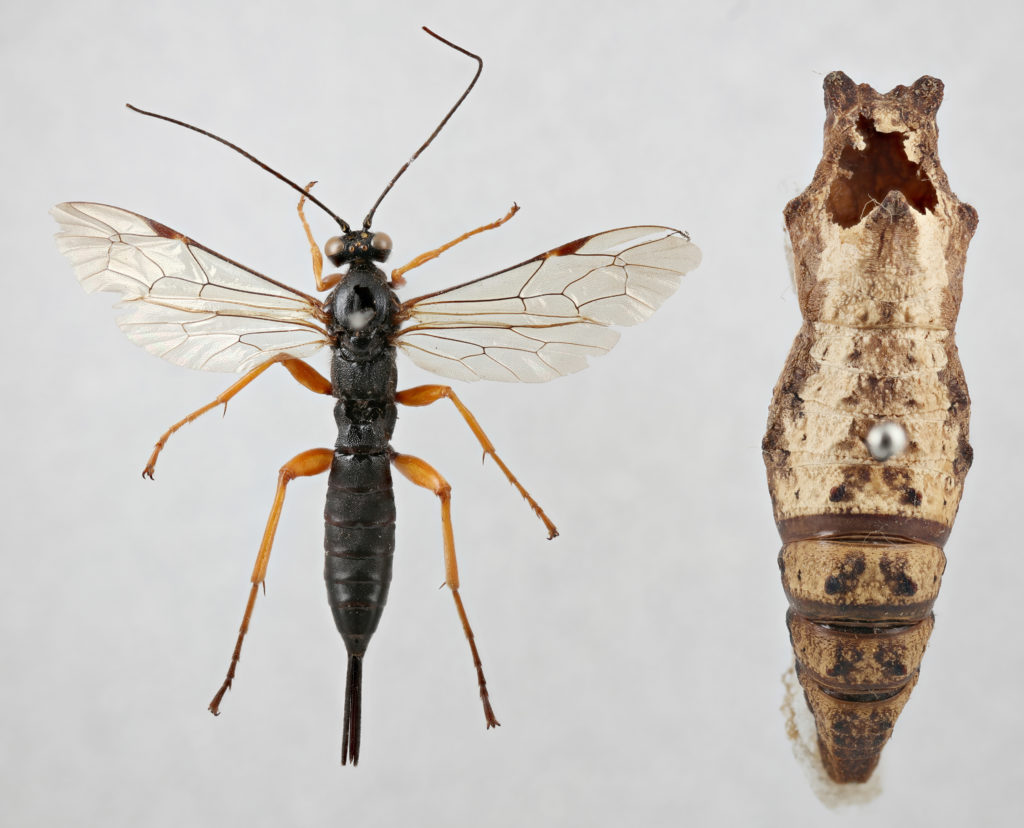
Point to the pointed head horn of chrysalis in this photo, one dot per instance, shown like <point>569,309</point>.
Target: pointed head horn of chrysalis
<point>842,94</point>
<point>867,442</point>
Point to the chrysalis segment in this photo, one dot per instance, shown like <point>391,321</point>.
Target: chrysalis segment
<point>867,443</point>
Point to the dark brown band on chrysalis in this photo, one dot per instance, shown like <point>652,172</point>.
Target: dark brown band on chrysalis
<point>880,617</point>
<point>864,527</point>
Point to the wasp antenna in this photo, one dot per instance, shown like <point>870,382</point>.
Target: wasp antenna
<point>341,222</point>
<point>479,68</point>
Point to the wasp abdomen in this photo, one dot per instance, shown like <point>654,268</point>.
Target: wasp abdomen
<point>359,542</point>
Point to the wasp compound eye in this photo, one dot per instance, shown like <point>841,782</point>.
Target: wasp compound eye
<point>381,246</point>
<point>334,248</point>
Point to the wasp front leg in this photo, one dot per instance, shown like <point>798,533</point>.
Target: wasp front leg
<point>314,249</point>
<point>423,474</point>
<point>397,275</point>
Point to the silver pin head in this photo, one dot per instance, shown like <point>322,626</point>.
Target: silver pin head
<point>886,440</point>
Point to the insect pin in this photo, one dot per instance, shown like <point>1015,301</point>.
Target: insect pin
<point>867,443</point>
<point>532,322</point>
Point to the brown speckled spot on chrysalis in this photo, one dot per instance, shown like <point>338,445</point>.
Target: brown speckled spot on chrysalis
<point>879,243</point>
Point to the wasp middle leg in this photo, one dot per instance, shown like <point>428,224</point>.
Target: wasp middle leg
<point>304,373</point>
<point>423,474</point>
<point>428,394</point>
<point>307,464</point>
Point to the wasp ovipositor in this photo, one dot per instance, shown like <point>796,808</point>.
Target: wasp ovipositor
<point>867,443</point>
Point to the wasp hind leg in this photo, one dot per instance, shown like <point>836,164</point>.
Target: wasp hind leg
<point>307,464</point>
<point>426,476</point>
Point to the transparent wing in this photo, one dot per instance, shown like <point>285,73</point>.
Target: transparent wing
<point>543,318</point>
<point>180,300</point>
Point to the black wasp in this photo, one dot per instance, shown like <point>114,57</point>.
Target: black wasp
<point>529,323</point>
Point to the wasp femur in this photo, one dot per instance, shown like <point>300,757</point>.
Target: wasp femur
<point>867,445</point>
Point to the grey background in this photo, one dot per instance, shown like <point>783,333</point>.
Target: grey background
<point>635,661</point>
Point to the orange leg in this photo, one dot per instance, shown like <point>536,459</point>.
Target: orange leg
<point>423,474</point>
<point>318,259</point>
<point>427,394</point>
<point>397,278</point>
<point>307,464</point>
<point>305,374</point>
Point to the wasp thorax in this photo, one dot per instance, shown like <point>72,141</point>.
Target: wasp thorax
<point>360,302</point>
<point>359,244</point>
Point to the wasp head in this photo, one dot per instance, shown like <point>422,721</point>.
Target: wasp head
<point>356,245</point>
